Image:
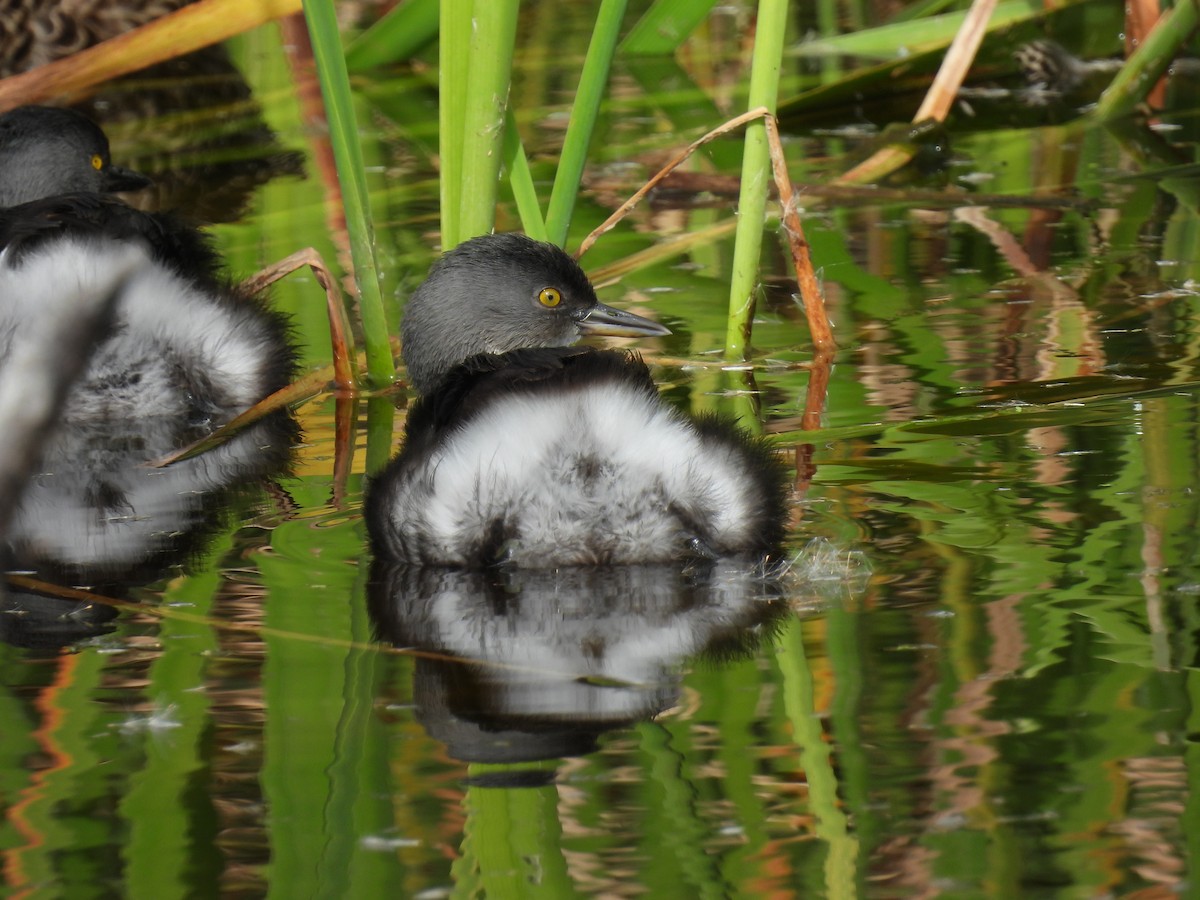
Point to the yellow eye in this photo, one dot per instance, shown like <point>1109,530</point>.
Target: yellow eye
<point>549,297</point>
<point>97,162</point>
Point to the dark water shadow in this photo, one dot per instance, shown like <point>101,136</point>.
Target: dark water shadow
<point>541,663</point>
<point>93,514</point>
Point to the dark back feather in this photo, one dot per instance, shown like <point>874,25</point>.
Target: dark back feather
<point>27,227</point>
<point>473,385</point>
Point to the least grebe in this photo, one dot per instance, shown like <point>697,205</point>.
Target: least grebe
<point>184,341</point>
<point>46,151</point>
<point>527,451</point>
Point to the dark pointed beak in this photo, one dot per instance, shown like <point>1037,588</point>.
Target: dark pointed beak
<point>119,179</point>
<point>601,319</point>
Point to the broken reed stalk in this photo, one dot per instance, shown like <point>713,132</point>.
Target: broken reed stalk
<point>341,372</point>
<point>321,19</point>
<point>340,332</point>
<point>810,290</point>
<point>938,99</point>
<point>806,278</point>
<point>296,392</point>
<point>821,369</point>
<point>183,31</point>
<point>672,164</point>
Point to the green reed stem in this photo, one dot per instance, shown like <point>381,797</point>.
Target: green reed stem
<point>343,133</point>
<point>1147,64</point>
<point>492,38</point>
<point>756,177</point>
<point>521,181</point>
<point>512,839</point>
<point>664,26</point>
<point>398,35</point>
<point>831,825</point>
<point>381,418</point>
<point>592,82</point>
<point>454,54</point>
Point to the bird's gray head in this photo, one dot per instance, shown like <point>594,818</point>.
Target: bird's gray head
<point>45,152</point>
<point>503,292</point>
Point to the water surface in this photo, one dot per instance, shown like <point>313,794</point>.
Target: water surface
<point>976,680</point>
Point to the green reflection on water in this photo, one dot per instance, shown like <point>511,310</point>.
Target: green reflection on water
<point>1005,707</point>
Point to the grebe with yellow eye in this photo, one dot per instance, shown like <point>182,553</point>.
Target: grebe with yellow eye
<point>523,450</point>
<point>184,341</point>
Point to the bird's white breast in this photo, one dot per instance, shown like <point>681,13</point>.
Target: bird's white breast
<point>592,474</point>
